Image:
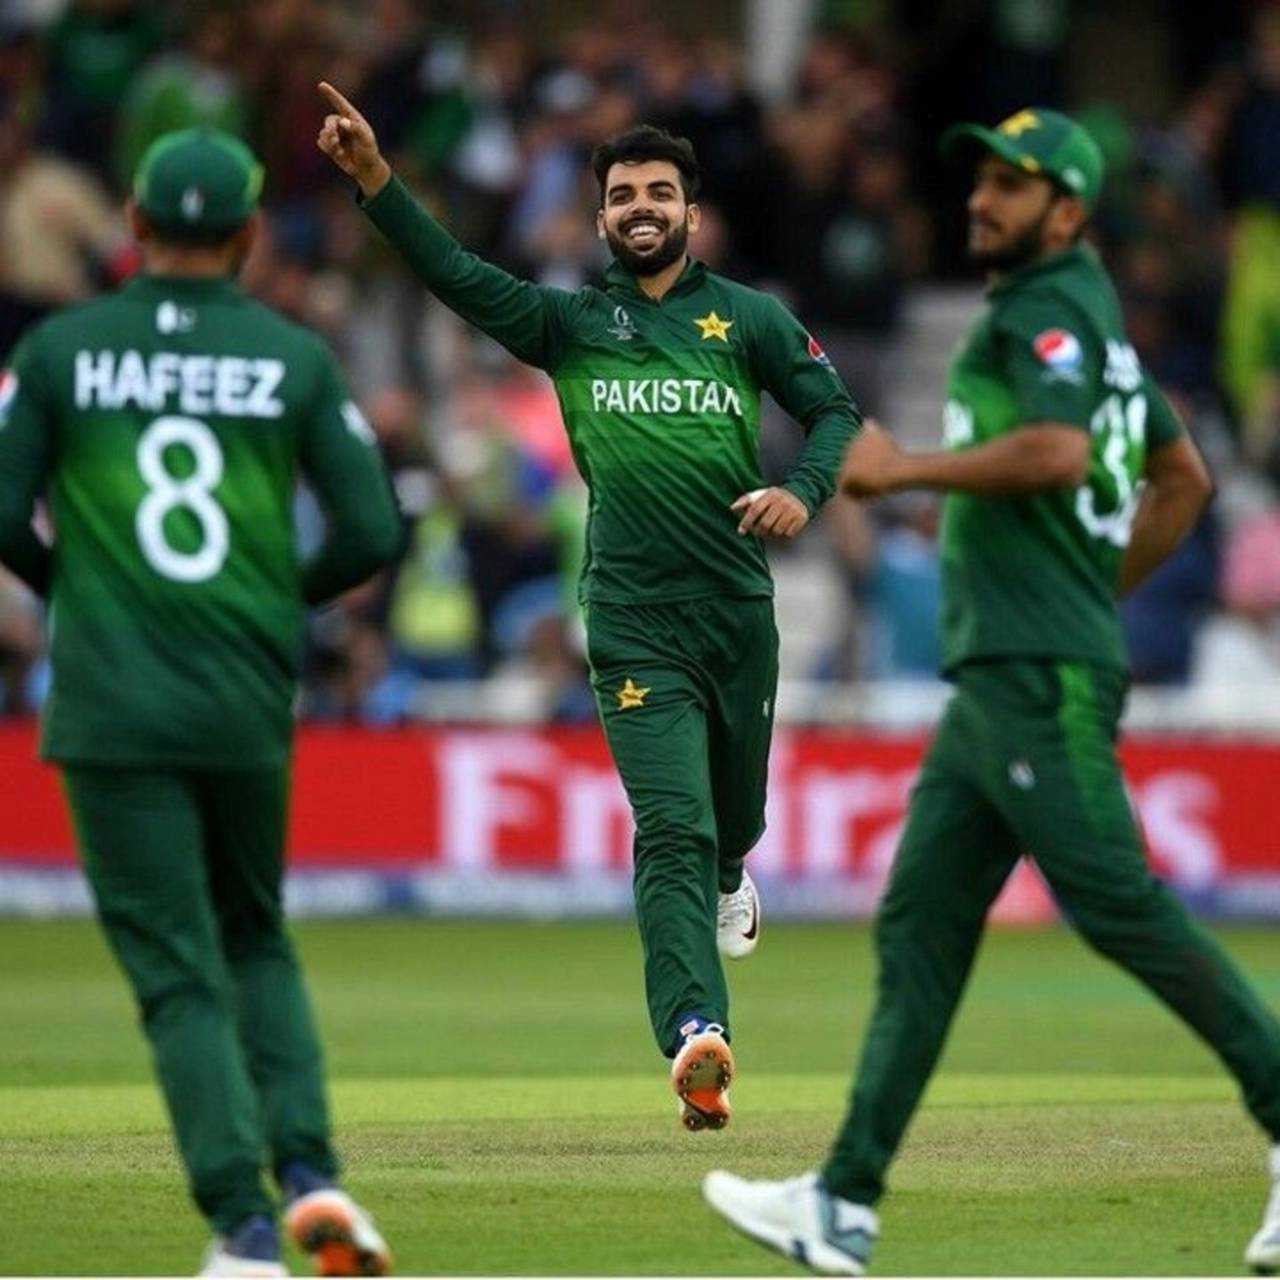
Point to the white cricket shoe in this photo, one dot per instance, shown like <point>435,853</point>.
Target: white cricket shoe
<point>252,1250</point>
<point>338,1234</point>
<point>1263,1253</point>
<point>799,1218</point>
<point>738,920</point>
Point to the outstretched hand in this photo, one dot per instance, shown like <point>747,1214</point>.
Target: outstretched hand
<point>347,138</point>
<point>872,465</point>
<point>775,513</point>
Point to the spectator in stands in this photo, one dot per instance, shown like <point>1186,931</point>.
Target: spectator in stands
<point>93,53</point>
<point>1241,647</point>
<point>61,237</point>
<point>198,83</point>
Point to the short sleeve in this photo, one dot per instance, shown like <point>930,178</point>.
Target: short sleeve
<point>1052,362</point>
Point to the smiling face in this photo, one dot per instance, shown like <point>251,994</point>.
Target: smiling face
<point>1016,217</point>
<point>646,218</point>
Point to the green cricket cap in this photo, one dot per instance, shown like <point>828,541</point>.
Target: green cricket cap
<point>198,180</point>
<point>1038,141</point>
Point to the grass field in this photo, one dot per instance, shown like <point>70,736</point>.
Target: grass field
<point>501,1109</point>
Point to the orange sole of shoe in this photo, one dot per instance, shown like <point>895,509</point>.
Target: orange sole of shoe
<point>701,1074</point>
<point>326,1234</point>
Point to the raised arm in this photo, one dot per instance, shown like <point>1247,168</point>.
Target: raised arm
<point>524,317</point>
<point>26,456</point>
<point>340,458</point>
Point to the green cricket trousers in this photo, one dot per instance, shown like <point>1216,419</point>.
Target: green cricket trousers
<point>186,870</point>
<point>686,694</point>
<point>1024,762</point>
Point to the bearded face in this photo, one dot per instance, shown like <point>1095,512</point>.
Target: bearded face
<point>645,219</point>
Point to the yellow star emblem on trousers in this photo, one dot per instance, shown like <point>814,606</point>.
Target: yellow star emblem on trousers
<point>713,327</point>
<point>631,695</point>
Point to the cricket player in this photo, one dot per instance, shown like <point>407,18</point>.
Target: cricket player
<point>1068,480</point>
<point>167,425</point>
<point>659,376</point>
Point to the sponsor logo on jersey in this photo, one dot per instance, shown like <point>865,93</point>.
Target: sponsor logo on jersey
<point>816,352</point>
<point>8,392</point>
<point>664,395</point>
<point>1059,350</point>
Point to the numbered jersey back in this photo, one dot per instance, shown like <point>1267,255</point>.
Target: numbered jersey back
<point>1034,575</point>
<point>178,411</point>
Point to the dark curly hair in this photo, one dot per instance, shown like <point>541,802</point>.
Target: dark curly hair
<point>645,142</point>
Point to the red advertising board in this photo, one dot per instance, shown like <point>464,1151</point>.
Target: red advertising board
<point>484,806</point>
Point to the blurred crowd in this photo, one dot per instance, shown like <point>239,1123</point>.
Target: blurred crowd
<point>827,193</point>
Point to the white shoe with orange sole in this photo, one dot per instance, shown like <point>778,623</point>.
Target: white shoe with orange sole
<point>338,1234</point>
<point>701,1075</point>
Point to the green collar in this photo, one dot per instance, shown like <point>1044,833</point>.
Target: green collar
<point>690,280</point>
<point>185,286</point>
<point>1075,256</point>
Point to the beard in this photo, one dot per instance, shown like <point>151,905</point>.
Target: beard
<point>1018,252</point>
<point>669,249</point>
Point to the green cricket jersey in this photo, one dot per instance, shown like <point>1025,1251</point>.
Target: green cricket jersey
<point>168,423</point>
<point>1035,575</point>
<point>661,401</point>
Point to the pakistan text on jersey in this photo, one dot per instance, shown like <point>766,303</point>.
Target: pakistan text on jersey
<point>231,386</point>
<point>663,395</point>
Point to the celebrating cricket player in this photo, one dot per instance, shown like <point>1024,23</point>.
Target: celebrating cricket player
<point>659,376</point>
<point>1068,480</point>
<point>167,424</point>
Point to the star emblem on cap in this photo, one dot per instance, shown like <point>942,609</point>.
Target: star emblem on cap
<point>631,695</point>
<point>713,327</point>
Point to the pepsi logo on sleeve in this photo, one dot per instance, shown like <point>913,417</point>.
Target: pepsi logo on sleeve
<point>8,391</point>
<point>1060,352</point>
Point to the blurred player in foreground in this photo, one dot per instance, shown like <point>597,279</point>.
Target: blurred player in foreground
<point>1068,480</point>
<point>167,424</point>
<point>660,375</point>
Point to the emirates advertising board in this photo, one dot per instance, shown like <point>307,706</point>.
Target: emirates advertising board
<point>533,822</point>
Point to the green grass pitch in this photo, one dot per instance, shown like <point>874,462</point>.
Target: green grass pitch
<point>501,1109</point>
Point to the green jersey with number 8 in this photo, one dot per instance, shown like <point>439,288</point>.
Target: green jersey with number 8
<point>1035,575</point>
<point>168,424</point>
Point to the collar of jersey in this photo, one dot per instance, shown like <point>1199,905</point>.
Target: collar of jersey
<point>691,279</point>
<point>1071,257</point>
<point>184,284</point>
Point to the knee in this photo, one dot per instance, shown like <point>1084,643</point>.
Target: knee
<point>182,996</point>
<point>1116,919</point>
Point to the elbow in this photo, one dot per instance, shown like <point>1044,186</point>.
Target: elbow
<point>1206,488</point>
<point>380,544</point>
<point>391,540</point>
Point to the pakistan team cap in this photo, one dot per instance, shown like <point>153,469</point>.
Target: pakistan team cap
<point>1038,141</point>
<point>198,180</point>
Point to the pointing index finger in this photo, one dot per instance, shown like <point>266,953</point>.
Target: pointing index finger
<point>337,101</point>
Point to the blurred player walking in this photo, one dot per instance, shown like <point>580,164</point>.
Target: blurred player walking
<point>660,375</point>
<point>1068,478</point>
<point>167,424</point>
